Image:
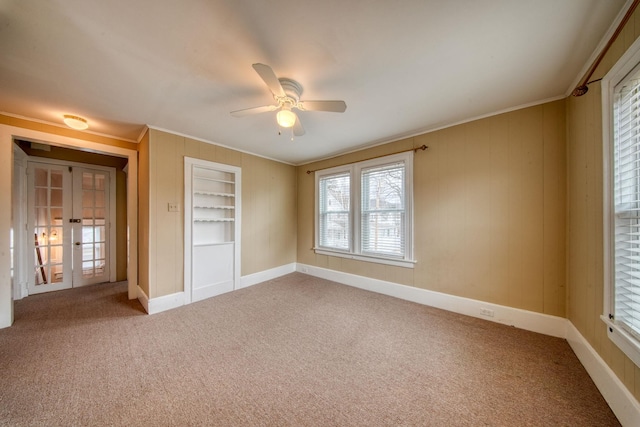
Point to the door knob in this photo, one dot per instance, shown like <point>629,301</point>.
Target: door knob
<point>77,243</point>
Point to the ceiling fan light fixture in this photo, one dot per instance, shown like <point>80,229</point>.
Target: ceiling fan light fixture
<point>286,93</point>
<point>75,122</point>
<point>286,118</point>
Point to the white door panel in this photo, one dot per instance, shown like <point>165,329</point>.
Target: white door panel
<point>48,211</point>
<point>90,226</point>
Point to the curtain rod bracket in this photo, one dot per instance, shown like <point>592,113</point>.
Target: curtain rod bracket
<point>582,88</point>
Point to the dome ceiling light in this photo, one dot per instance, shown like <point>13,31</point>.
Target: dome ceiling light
<point>75,122</point>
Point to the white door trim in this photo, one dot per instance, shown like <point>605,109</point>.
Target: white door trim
<point>19,189</point>
<point>7,135</point>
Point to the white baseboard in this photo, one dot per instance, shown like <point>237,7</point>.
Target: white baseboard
<point>167,302</point>
<point>523,319</point>
<point>619,398</point>
<point>263,276</point>
<point>159,304</point>
<point>20,291</point>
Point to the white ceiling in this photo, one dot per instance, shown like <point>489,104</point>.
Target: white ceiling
<point>402,67</point>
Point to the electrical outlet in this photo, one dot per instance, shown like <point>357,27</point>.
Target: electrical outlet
<point>486,312</point>
<point>174,207</point>
<point>304,269</point>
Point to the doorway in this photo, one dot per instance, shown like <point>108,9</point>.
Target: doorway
<point>13,263</point>
<point>69,211</point>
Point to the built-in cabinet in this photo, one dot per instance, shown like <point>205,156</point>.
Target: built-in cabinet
<point>212,228</point>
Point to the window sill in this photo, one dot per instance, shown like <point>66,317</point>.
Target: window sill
<point>625,342</point>
<point>367,258</point>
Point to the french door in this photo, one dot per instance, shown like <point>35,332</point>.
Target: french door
<point>68,214</point>
<point>48,205</point>
<point>90,222</point>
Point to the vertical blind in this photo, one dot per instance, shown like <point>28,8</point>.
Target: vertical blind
<point>334,213</point>
<point>626,159</point>
<point>383,210</point>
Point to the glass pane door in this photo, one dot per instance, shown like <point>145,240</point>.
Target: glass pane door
<point>90,227</point>
<point>49,200</point>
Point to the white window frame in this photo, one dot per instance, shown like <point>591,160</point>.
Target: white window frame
<point>628,343</point>
<point>355,251</point>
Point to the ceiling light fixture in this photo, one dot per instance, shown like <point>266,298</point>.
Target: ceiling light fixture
<point>75,122</point>
<point>285,117</point>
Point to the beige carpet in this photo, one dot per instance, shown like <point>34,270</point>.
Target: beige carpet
<point>295,351</point>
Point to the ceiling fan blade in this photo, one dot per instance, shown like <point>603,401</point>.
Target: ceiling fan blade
<point>332,106</point>
<point>298,130</point>
<point>254,110</point>
<point>269,77</point>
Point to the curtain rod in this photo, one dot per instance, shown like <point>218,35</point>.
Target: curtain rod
<point>582,88</point>
<point>415,150</point>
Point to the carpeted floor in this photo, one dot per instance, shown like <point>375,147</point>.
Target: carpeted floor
<point>295,351</point>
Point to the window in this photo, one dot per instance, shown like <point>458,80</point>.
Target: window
<point>382,210</point>
<point>334,215</point>
<point>364,210</point>
<point>626,205</point>
<point>621,136</point>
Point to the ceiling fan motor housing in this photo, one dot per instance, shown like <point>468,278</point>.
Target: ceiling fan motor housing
<point>292,90</point>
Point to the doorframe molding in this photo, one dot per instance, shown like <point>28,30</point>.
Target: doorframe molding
<point>19,192</point>
<point>7,135</point>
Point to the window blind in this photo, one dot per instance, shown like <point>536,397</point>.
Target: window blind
<point>626,158</point>
<point>383,210</point>
<point>334,213</point>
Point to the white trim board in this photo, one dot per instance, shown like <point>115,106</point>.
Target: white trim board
<point>263,276</point>
<point>523,319</point>
<point>160,304</point>
<point>165,302</point>
<point>178,299</point>
<point>623,404</point>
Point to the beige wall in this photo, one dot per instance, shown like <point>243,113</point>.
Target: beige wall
<point>268,210</point>
<point>489,211</point>
<point>584,215</point>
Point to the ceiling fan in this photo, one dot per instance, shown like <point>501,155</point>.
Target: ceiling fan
<point>286,93</point>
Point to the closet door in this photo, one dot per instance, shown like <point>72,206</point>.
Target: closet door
<point>212,229</point>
